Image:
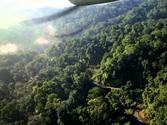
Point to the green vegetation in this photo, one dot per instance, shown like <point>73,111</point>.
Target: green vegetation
<point>112,73</point>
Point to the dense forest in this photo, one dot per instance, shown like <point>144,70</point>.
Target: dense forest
<point>113,72</point>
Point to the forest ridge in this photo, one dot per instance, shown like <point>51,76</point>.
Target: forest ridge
<point>114,72</point>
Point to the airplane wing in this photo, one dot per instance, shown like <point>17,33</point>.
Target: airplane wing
<point>89,2</point>
<point>78,3</point>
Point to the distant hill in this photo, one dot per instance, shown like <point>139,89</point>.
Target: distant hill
<point>26,35</point>
<point>39,12</point>
<point>75,23</point>
<point>110,68</point>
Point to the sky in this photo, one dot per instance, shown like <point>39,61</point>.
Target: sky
<point>10,8</point>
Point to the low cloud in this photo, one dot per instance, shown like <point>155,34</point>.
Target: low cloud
<point>49,30</point>
<point>42,41</point>
<point>18,18</point>
<point>8,48</point>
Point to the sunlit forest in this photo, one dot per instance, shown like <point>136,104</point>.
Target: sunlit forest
<point>99,65</point>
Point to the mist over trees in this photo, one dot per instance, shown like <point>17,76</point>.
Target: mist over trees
<point>114,72</point>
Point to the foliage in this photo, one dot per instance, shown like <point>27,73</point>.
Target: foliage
<point>73,82</point>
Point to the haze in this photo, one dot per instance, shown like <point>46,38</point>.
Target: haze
<point>10,8</point>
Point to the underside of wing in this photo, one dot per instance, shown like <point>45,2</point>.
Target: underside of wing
<point>89,2</point>
<point>78,3</point>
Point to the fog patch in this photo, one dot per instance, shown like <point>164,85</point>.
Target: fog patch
<point>42,41</point>
<point>8,48</point>
<point>49,30</point>
<point>19,18</point>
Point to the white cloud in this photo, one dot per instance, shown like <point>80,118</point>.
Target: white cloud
<point>42,41</point>
<point>8,48</point>
<point>51,3</point>
<point>49,30</point>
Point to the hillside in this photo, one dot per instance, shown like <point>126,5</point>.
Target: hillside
<point>25,36</point>
<point>113,71</point>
